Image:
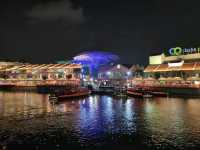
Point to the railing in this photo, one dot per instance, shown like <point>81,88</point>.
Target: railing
<point>169,85</point>
<point>40,82</point>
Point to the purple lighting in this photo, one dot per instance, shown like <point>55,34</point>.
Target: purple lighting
<point>95,59</point>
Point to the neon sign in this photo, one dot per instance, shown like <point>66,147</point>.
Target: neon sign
<point>182,51</point>
<point>175,51</point>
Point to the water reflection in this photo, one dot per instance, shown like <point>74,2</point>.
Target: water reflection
<point>23,103</point>
<point>167,122</point>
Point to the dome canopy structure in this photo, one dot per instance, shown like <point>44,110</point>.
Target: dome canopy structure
<point>95,59</point>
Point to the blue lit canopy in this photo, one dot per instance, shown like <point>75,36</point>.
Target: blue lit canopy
<point>95,59</point>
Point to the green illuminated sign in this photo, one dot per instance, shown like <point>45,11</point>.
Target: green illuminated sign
<point>182,51</point>
<point>175,51</point>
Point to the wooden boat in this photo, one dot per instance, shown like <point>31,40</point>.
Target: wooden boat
<point>134,93</point>
<point>149,92</point>
<point>147,95</point>
<point>73,93</point>
<point>6,86</point>
<point>161,94</point>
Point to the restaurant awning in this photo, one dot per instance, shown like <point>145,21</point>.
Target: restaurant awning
<point>41,67</point>
<point>166,68</point>
<point>170,79</point>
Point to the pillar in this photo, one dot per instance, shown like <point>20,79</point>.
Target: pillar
<point>40,76</point>
<point>49,76</point>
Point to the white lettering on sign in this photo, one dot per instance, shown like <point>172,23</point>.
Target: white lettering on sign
<point>182,51</point>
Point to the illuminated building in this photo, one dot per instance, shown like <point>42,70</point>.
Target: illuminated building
<point>175,63</point>
<point>115,72</point>
<point>32,74</point>
<point>115,75</point>
<point>177,69</point>
<point>137,70</point>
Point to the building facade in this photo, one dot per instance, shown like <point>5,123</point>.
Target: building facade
<point>175,66</point>
<point>34,74</point>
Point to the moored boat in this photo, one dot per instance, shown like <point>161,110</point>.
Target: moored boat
<point>147,95</point>
<point>160,94</point>
<point>72,93</point>
<point>6,86</point>
<point>149,92</point>
<point>134,93</point>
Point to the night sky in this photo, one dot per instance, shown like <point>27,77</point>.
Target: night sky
<point>44,31</point>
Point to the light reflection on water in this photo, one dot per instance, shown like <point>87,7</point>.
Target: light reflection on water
<point>158,122</point>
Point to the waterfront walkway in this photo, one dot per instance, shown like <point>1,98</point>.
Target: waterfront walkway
<point>34,83</point>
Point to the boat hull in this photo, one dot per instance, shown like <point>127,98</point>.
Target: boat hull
<point>164,91</point>
<point>182,91</point>
<point>72,93</point>
<point>159,94</point>
<point>78,95</point>
<point>7,86</point>
<point>134,94</point>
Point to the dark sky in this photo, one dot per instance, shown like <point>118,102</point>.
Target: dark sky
<point>43,31</point>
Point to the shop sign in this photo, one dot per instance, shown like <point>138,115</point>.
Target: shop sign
<point>176,51</point>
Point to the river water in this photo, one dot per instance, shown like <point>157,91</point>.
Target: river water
<point>29,120</point>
